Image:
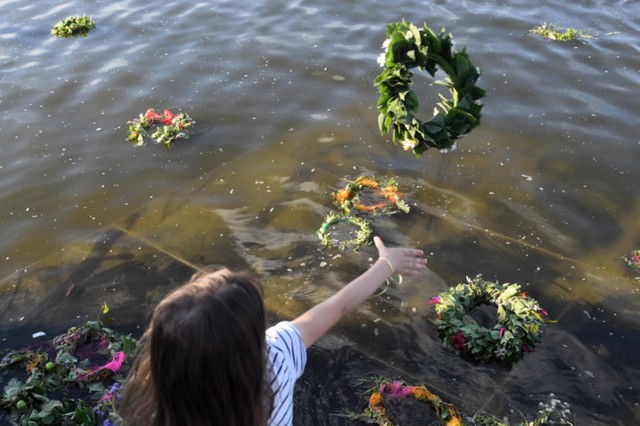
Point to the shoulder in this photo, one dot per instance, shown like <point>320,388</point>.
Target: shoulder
<point>285,345</point>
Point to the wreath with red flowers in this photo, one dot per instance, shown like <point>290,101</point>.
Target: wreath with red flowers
<point>168,127</point>
<point>518,329</point>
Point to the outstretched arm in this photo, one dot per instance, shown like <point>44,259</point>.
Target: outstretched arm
<point>314,323</point>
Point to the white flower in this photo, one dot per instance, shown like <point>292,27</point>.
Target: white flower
<point>385,44</point>
<point>408,35</point>
<point>381,59</point>
<point>409,144</point>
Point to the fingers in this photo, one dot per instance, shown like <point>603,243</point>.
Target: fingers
<point>378,242</point>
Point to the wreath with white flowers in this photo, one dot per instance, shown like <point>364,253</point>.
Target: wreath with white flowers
<point>397,390</point>
<point>386,197</point>
<point>518,330</point>
<point>362,235</point>
<point>168,127</point>
<point>408,47</point>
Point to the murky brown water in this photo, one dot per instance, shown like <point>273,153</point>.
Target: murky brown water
<point>543,193</point>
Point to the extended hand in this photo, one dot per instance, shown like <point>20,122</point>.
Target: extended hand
<point>404,261</point>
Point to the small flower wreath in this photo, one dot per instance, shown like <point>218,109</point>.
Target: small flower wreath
<point>633,260</point>
<point>408,47</point>
<point>349,201</point>
<point>398,390</point>
<point>169,127</point>
<point>73,26</point>
<point>518,329</point>
<point>363,236</point>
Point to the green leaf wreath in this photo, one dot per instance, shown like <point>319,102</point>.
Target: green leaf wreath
<point>73,26</point>
<point>362,237</point>
<point>408,47</point>
<point>518,330</point>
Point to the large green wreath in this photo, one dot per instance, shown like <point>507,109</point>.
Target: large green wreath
<point>518,330</point>
<point>409,47</point>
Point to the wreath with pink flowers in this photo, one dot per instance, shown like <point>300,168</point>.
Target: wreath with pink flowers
<point>518,329</point>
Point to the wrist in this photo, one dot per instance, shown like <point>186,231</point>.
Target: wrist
<point>388,264</point>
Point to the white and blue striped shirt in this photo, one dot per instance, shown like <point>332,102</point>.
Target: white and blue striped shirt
<point>287,358</point>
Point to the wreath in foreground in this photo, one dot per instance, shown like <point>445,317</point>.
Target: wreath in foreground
<point>377,411</point>
<point>73,26</point>
<point>550,412</point>
<point>408,47</point>
<point>73,379</point>
<point>518,330</point>
<point>384,197</point>
<point>168,127</point>
<point>361,232</point>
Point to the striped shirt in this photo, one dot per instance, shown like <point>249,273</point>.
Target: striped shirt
<point>287,358</point>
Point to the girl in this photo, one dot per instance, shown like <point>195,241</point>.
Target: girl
<point>207,357</point>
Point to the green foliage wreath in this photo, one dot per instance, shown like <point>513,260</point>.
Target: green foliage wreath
<point>408,47</point>
<point>73,26</point>
<point>362,237</point>
<point>518,330</point>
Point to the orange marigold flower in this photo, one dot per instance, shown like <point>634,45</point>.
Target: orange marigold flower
<point>375,400</point>
<point>454,422</point>
<point>342,195</point>
<point>421,393</point>
<point>365,181</point>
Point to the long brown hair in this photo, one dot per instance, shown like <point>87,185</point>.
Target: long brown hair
<point>203,357</point>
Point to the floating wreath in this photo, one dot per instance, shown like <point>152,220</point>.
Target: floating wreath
<point>64,378</point>
<point>518,330</point>
<point>168,127</point>
<point>386,199</point>
<point>552,32</point>
<point>73,26</point>
<point>408,47</point>
<point>362,233</point>
<point>377,411</point>
<point>633,260</point>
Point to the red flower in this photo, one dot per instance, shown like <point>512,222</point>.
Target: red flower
<point>434,300</point>
<point>168,117</point>
<point>458,341</point>
<point>152,115</point>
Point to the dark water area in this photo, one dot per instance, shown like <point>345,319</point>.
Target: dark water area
<point>544,193</point>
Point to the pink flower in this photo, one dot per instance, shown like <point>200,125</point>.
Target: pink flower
<point>502,330</point>
<point>395,390</point>
<point>434,300</point>
<point>168,117</point>
<point>152,115</point>
<point>114,365</point>
<point>458,341</point>
<point>545,313</point>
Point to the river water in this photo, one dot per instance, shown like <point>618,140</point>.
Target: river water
<point>543,193</point>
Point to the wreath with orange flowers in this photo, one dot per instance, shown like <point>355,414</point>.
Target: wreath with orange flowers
<point>376,411</point>
<point>386,197</point>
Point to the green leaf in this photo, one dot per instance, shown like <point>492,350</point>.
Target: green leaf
<point>12,388</point>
